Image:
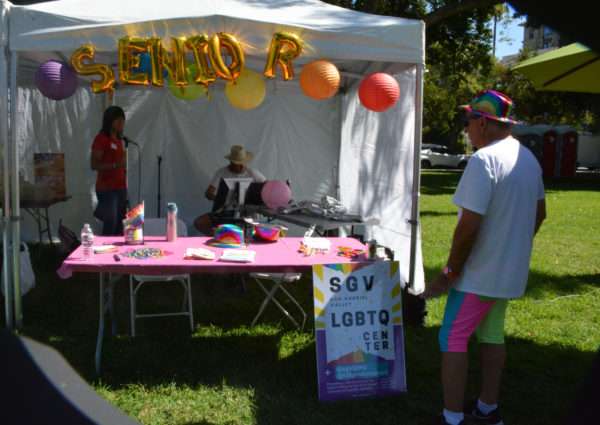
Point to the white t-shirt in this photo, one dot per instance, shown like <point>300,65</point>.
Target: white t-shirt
<point>503,182</point>
<point>226,173</point>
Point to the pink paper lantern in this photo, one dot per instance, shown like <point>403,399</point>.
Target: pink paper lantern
<point>56,80</point>
<point>276,193</point>
<point>379,92</point>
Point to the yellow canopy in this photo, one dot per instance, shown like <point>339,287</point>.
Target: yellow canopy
<point>571,68</point>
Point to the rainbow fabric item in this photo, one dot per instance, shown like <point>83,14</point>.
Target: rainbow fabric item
<point>491,104</point>
<point>228,236</point>
<point>267,232</point>
<point>135,217</point>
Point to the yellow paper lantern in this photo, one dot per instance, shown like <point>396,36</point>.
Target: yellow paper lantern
<point>191,90</point>
<point>320,79</point>
<point>247,92</point>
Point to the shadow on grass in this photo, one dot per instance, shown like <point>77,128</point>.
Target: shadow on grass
<point>429,213</point>
<point>588,181</point>
<point>439,182</point>
<point>445,182</point>
<point>540,284</point>
<point>538,387</point>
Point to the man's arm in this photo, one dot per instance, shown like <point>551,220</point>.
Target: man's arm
<point>465,235</point>
<point>540,214</point>
<point>210,193</point>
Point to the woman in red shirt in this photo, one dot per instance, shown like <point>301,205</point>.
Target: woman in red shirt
<point>108,158</point>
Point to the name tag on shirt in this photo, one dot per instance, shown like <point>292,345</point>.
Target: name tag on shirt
<point>113,146</point>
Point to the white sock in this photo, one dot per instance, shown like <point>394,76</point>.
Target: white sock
<point>453,418</point>
<point>485,408</point>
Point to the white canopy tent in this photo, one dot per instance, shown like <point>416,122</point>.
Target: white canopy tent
<point>336,147</point>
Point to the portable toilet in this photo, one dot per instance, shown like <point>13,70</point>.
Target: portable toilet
<point>531,137</point>
<point>550,154</point>
<point>567,150</point>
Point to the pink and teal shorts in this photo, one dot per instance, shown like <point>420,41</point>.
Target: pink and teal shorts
<point>467,313</point>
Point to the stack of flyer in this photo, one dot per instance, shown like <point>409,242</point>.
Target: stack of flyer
<point>238,255</point>
<point>199,254</point>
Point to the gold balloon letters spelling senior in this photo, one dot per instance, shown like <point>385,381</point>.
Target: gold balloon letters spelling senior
<point>284,49</point>
<point>108,76</point>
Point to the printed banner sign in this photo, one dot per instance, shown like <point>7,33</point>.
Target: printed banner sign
<point>358,321</point>
<point>49,169</point>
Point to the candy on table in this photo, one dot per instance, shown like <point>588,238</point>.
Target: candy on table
<point>146,253</point>
<point>310,246</point>
<point>344,251</point>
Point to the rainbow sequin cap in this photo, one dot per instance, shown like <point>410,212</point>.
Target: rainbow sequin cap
<point>228,236</point>
<point>264,231</point>
<point>491,104</point>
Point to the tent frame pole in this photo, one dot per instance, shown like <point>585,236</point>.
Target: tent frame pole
<point>15,206</point>
<point>416,185</point>
<point>7,275</point>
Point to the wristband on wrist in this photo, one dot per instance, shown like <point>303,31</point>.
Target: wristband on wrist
<point>449,273</point>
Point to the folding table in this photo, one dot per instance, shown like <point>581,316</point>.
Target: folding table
<point>38,209</point>
<point>320,225</point>
<point>281,256</point>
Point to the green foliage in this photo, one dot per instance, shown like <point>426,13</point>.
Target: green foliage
<point>460,63</point>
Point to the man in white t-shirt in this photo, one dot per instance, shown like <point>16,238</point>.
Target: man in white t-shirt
<point>238,159</point>
<point>501,207</point>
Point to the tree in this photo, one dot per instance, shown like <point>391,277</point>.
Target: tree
<point>460,63</point>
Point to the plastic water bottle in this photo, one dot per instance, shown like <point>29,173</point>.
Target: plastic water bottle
<point>171,222</point>
<point>87,240</point>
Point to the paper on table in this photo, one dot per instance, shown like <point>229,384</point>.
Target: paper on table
<point>199,254</point>
<point>105,248</point>
<point>238,255</point>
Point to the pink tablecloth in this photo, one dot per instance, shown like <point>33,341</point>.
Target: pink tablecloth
<point>280,256</point>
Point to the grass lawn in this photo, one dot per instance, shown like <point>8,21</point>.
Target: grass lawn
<point>227,372</point>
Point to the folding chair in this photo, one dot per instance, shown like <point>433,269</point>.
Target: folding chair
<point>278,279</point>
<point>157,227</point>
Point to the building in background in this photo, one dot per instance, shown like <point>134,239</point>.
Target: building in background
<point>540,40</point>
<point>536,41</point>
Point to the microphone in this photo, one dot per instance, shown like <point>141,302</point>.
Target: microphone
<point>128,141</point>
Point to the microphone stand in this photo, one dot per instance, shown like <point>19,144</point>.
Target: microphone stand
<point>126,175</point>
<point>158,203</point>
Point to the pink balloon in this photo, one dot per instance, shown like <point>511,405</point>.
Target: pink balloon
<point>276,193</point>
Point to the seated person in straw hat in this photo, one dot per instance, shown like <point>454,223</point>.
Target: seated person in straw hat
<point>238,158</point>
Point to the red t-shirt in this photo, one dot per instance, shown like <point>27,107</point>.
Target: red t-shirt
<point>111,153</point>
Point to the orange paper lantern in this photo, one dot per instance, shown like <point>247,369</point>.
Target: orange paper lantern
<point>247,92</point>
<point>379,92</point>
<point>320,79</point>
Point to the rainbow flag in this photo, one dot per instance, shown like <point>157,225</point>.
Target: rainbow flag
<point>135,217</point>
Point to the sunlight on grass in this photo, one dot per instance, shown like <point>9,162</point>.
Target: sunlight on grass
<point>174,404</point>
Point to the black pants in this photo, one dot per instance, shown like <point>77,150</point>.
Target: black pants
<point>111,209</point>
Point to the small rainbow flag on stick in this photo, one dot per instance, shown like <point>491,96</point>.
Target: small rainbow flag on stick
<point>135,217</point>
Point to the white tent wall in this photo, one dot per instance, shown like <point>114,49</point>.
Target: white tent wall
<point>376,168</point>
<point>293,136</point>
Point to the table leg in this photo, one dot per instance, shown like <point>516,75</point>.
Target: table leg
<point>112,280</point>
<point>100,326</point>
<point>266,300</point>
<point>47,217</point>
<point>271,297</point>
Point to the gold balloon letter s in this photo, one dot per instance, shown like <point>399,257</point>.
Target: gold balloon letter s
<point>108,76</point>
<point>285,47</point>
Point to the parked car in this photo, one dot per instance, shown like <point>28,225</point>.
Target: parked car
<point>441,156</point>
